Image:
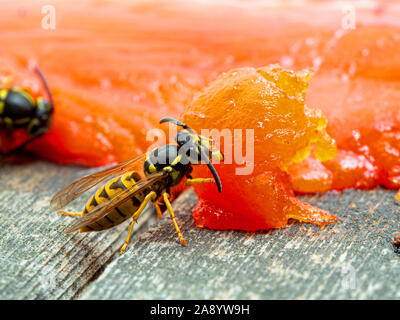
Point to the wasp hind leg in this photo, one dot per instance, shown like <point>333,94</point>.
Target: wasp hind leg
<point>151,196</point>
<point>172,215</point>
<point>71,214</point>
<point>190,182</point>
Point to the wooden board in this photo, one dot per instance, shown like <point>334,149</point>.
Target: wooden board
<point>352,259</point>
<point>37,260</point>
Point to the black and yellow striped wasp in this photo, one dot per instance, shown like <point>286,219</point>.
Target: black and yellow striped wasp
<point>129,186</point>
<point>18,109</point>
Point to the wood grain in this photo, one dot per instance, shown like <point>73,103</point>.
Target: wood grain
<point>352,259</point>
<point>37,260</point>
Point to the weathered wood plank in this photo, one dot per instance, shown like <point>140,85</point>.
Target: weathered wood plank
<point>352,259</point>
<point>38,261</point>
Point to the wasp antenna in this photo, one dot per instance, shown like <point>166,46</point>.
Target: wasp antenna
<point>212,169</point>
<point>45,85</point>
<point>174,121</point>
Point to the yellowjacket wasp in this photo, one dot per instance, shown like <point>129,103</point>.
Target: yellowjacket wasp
<point>135,182</point>
<point>18,109</point>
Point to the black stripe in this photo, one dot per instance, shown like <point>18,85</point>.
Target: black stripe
<point>109,220</point>
<point>93,202</point>
<point>119,212</point>
<point>89,227</point>
<point>147,165</point>
<point>99,223</point>
<point>136,202</point>
<point>104,194</point>
<point>85,211</point>
<point>135,176</point>
<point>117,185</point>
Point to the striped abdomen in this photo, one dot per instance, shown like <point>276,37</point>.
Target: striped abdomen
<point>120,213</point>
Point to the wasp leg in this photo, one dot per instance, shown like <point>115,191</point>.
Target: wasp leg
<point>71,214</point>
<point>158,209</point>
<point>172,215</point>
<point>151,196</point>
<point>189,182</point>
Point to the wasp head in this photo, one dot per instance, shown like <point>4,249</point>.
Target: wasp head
<point>42,118</point>
<point>195,148</point>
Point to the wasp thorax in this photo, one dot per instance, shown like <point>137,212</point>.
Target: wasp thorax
<point>167,159</point>
<point>163,156</point>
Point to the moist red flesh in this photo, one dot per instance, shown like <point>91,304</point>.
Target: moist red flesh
<point>258,195</point>
<point>116,71</point>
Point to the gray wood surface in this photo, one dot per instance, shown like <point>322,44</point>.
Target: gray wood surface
<point>352,259</point>
<point>37,260</point>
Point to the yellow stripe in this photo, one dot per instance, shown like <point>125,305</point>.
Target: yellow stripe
<point>40,103</point>
<point>3,94</point>
<point>152,168</point>
<point>1,107</point>
<point>98,198</point>
<point>195,137</point>
<point>111,192</point>
<point>127,183</point>
<point>88,206</point>
<point>32,123</point>
<point>177,159</point>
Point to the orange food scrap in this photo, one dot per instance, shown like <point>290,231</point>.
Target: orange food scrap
<point>396,242</point>
<point>115,68</point>
<point>310,176</point>
<point>269,100</point>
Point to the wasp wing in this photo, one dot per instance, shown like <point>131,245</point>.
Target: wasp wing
<point>105,207</point>
<point>75,189</point>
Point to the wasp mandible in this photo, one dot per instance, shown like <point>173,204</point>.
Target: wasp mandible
<point>135,182</point>
<point>18,109</point>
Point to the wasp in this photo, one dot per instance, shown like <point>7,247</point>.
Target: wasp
<point>128,187</point>
<point>18,109</point>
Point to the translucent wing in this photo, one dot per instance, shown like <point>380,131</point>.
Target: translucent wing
<point>75,189</point>
<point>103,208</point>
